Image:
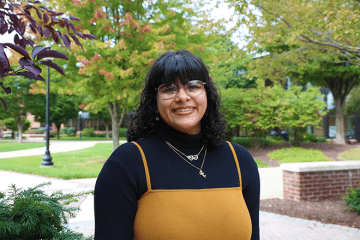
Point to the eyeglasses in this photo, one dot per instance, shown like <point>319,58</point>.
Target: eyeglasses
<point>193,88</point>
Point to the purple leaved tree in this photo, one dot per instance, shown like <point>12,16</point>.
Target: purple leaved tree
<point>19,17</point>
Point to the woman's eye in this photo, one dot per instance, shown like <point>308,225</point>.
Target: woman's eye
<point>169,90</point>
<point>193,87</point>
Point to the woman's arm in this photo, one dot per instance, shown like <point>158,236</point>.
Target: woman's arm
<point>116,194</point>
<point>251,186</point>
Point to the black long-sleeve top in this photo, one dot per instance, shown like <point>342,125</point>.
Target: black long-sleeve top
<point>122,180</point>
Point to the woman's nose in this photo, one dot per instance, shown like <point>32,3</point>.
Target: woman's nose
<point>182,95</point>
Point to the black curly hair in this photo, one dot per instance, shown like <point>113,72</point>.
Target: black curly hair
<point>166,69</point>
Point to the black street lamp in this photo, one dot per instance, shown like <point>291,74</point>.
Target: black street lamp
<point>47,158</point>
<point>80,123</point>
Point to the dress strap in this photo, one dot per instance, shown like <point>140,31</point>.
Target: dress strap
<point>236,161</point>
<point>145,166</point>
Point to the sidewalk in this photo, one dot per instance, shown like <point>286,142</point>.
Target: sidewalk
<point>272,226</point>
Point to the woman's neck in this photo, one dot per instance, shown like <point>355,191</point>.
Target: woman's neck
<point>178,138</point>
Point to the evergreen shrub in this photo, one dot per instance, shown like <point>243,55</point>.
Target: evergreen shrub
<point>352,199</point>
<point>71,132</point>
<point>33,214</point>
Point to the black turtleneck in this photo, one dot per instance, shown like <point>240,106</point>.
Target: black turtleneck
<point>122,180</point>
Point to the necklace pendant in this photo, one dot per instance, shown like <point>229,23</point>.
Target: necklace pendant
<point>192,157</point>
<point>202,173</point>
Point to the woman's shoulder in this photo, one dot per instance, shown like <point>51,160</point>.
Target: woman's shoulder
<point>242,154</point>
<point>239,149</point>
<point>125,154</point>
<point>130,150</point>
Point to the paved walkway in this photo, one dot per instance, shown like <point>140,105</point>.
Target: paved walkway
<point>272,226</point>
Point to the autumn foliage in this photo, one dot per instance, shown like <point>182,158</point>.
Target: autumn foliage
<point>26,19</point>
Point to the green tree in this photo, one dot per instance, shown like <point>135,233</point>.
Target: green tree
<point>261,109</point>
<point>10,123</point>
<point>62,109</point>
<point>18,102</point>
<point>104,115</point>
<point>228,64</point>
<point>316,40</point>
<point>131,36</point>
<point>328,30</point>
<point>339,78</point>
<point>353,102</point>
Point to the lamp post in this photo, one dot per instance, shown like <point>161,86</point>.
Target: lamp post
<point>80,123</point>
<point>47,158</point>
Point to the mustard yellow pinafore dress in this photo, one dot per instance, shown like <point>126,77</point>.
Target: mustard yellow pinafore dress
<point>187,214</point>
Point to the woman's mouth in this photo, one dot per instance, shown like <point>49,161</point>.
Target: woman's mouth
<point>183,110</point>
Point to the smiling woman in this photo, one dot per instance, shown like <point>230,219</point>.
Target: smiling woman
<point>176,178</point>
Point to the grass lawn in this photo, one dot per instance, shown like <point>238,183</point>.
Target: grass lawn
<point>351,154</point>
<point>297,154</point>
<point>77,138</point>
<point>261,164</point>
<point>85,163</point>
<point>14,146</point>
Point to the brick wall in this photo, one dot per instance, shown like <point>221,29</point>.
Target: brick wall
<point>317,181</point>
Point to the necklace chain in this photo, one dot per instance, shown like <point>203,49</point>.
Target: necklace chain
<point>200,169</point>
<point>190,157</point>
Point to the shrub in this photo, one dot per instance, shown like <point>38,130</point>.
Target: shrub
<point>246,141</point>
<point>277,138</point>
<point>31,131</point>
<point>63,130</point>
<point>88,132</point>
<point>122,132</point>
<point>32,214</point>
<point>71,132</point>
<point>100,134</point>
<point>321,139</point>
<point>40,130</point>
<point>52,134</point>
<point>309,137</point>
<point>352,199</point>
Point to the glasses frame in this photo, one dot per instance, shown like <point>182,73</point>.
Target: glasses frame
<point>177,89</point>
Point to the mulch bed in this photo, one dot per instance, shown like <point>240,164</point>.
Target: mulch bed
<point>326,211</point>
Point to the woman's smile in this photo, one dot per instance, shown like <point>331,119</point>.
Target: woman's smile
<point>184,111</point>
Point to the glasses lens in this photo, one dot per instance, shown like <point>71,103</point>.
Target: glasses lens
<point>194,88</point>
<point>167,91</point>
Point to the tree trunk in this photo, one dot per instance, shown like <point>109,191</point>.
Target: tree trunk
<point>116,119</point>
<point>123,111</point>
<point>20,127</point>
<point>297,136</point>
<point>339,121</point>
<point>58,130</point>
<point>114,108</point>
<point>107,130</point>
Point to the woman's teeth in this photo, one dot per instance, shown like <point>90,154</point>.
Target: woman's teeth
<point>184,110</point>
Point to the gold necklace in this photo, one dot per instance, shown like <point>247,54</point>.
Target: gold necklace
<point>190,157</point>
<point>200,169</point>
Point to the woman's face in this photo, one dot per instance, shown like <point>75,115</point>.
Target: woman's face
<point>183,112</point>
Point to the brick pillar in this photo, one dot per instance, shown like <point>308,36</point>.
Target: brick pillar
<point>316,181</point>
